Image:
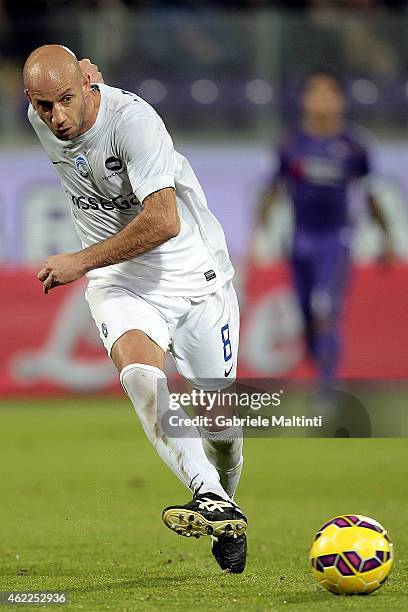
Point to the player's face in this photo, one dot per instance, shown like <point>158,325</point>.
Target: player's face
<point>62,107</point>
<point>323,96</point>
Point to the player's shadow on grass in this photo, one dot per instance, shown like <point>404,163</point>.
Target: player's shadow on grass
<point>316,595</point>
<point>149,580</point>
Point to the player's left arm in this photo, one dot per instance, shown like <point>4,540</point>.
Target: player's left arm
<point>379,218</point>
<point>362,168</point>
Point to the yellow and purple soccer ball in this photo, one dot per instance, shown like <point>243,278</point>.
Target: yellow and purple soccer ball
<point>351,555</point>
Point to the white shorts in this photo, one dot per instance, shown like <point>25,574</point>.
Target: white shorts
<point>202,333</point>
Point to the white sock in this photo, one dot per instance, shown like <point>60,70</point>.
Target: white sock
<point>147,388</point>
<point>224,451</point>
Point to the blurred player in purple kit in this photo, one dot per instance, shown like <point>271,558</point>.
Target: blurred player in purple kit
<point>317,163</point>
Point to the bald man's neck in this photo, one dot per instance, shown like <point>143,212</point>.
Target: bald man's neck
<point>92,105</point>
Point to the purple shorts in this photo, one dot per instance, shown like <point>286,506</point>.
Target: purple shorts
<point>320,265</point>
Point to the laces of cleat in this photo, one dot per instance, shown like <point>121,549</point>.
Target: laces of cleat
<point>212,505</point>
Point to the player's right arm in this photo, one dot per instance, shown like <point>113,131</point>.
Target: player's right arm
<point>267,201</point>
<point>144,145</point>
<point>272,191</point>
<point>158,223</point>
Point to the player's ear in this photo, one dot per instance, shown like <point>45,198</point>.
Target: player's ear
<point>27,93</point>
<point>86,83</point>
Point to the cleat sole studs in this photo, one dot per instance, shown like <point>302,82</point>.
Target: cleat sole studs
<point>191,518</point>
<point>209,529</point>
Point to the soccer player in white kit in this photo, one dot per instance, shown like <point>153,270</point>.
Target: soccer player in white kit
<point>159,275</point>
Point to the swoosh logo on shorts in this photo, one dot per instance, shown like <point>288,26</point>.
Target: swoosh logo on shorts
<point>229,371</point>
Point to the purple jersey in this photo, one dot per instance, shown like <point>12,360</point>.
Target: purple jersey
<point>317,173</point>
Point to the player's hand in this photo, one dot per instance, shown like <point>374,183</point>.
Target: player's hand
<point>387,256</point>
<point>61,270</point>
<point>88,67</point>
<point>264,209</point>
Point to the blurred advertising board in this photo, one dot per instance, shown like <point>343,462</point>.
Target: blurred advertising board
<point>50,343</point>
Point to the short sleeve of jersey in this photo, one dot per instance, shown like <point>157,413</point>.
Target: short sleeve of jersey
<point>147,150</point>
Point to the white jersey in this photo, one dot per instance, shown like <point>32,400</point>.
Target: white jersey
<point>107,173</point>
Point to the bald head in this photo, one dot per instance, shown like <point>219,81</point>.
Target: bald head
<point>59,92</point>
<point>50,65</point>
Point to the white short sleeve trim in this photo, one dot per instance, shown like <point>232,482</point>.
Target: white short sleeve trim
<point>154,184</point>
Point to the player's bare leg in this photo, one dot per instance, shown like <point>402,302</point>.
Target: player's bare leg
<point>136,347</point>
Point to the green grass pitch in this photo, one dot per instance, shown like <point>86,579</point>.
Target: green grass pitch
<point>82,493</point>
